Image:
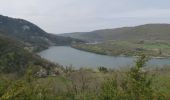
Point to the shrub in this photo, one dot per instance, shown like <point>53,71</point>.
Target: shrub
<point>135,86</point>
<point>103,69</point>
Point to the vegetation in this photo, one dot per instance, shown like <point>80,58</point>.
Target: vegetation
<point>137,83</point>
<point>26,76</point>
<point>14,59</point>
<point>128,48</point>
<point>143,32</point>
<point>34,38</point>
<point>149,39</point>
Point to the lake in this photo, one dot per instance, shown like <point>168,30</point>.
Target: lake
<point>67,56</point>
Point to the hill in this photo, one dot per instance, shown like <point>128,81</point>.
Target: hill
<point>15,59</point>
<point>142,32</point>
<point>149,39</point>
<point>34,37</point>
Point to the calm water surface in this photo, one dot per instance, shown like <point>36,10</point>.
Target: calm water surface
<point>66,56</point>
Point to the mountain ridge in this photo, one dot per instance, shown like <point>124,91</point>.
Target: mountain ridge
<point>146,31</point>
<point>30,34</point>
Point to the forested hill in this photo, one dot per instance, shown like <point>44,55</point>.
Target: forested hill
<point>34,37</point>
<point>15,59</point>
<point>142,32</point>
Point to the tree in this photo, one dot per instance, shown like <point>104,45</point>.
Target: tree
<point>137,85</point>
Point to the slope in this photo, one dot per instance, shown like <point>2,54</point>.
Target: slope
<point>34,37</point>
<point>142,32</point>
<point>15,59</point>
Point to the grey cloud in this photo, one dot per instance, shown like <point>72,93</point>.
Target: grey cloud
<point>60,16</point>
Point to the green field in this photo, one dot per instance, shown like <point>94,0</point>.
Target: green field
<point>128,48</point>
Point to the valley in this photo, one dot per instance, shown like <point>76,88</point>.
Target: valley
<point>37,65</point>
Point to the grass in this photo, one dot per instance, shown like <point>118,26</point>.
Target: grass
<point>128,48</point>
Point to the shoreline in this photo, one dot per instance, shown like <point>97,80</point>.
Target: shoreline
<point>152,57</point>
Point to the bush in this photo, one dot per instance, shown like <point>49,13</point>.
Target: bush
<point>135,86</point>
<point>103,69</point>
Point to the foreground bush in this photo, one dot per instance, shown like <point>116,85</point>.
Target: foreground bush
<point>137,83</point>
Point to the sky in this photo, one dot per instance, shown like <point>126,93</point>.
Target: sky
<point>64,16</point>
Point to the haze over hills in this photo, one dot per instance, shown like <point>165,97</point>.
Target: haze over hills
<point>30,34</point>
<point>142,32</point>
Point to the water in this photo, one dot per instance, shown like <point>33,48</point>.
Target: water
<point>67,56</point>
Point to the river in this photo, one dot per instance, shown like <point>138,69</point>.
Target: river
<point>67,56</point>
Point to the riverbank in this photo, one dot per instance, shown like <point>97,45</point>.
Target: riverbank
<point>121,52</point>
<point>68,56</point>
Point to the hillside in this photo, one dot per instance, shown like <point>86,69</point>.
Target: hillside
<point>15,59</point>
<point>34,37</point>
<point>149,39</point>
<point>142,32</point>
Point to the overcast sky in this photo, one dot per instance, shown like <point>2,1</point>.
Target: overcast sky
<point>62,16</point>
